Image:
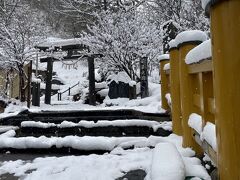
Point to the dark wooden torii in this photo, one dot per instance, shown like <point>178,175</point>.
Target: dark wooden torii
<point>68,45</point>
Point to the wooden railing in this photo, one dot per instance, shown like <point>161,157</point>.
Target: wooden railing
<point>191,89</point>
<point>210,88</point>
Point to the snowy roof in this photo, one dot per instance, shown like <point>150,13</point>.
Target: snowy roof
<point>120,77</point>
<point>57,42</point>
<point>166,67</point>
<point>201,52</point>
<point>172,44</point>
<point>163,57</point>
<point>190,36</point>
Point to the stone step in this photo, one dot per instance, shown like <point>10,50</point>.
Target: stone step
<point>76,116</point>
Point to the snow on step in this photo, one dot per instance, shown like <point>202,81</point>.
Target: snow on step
<point>167,163</point>
<point>190,36</point>
<point>201,52</point>
<point>7,128</point>
<point>103,123</point>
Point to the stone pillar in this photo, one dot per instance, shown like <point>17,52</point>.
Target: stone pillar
<point>48,90</point>
<point>225,31</point>
<point>91,78</point>
<point>144,77</point>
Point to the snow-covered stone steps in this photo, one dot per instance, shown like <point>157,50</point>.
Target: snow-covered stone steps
<point>76,116</point>
<point>116,128</point>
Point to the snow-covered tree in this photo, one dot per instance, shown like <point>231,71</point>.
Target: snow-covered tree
<point>20,28</point>
<point>187,13</point>
<point>123,38</point>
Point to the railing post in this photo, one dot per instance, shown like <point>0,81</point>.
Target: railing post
<point>186,83</point>
<point>225,29</point>
<point>164,59</point>
<point>69,91</point>
<point>175,89</point>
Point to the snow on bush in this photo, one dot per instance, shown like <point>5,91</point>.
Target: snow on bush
<point>167,163</point>
<point>201,52</point>
<point>209,134</point>
<point>166,67</point>
<point>195,122</point>
<point>119,77</point>
<point>163,57</point>
<point>189,36</point>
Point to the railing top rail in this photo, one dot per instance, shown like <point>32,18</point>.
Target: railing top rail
<point>69,88</point>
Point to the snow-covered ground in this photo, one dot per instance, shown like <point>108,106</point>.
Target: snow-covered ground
<point>168,160</point>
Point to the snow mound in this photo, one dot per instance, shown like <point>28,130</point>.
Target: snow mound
<point>201,52</point>
<point>167,163</point>
<point>190,36</point>
<point>163,57</point>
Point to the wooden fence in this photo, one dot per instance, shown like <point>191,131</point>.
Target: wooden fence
<point>210,87</point>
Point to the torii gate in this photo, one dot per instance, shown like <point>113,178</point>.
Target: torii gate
<point>68,45</point>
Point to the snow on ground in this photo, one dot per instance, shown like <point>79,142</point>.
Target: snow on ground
<point>110,166</point>
<point>151,104</point>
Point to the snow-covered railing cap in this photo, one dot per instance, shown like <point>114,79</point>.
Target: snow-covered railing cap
<point>163,57</point>
<point>193,36</point>
<point>172,44</point>
<point>166,67</point>
<point>206,5</point>
<point>199,53</point>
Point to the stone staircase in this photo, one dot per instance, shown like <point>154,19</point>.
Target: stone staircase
<point>94,123</point>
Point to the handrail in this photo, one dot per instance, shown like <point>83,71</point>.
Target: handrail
<point>67,90</point>
<point>70,88</point>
